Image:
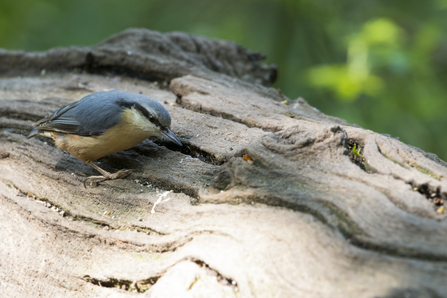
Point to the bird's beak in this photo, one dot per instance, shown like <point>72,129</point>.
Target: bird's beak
<point>171,136</point>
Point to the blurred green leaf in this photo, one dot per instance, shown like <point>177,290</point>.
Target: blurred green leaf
<point>346,83</point>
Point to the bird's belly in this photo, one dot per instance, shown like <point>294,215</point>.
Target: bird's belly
<point>92,148</point>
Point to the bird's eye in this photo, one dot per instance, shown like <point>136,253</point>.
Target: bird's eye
<point>151,118</point>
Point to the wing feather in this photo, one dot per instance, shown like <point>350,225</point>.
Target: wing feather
<point>61,120</point>
<point>90,116</point>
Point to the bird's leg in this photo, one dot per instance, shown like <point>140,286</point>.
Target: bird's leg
<point>106,175</point>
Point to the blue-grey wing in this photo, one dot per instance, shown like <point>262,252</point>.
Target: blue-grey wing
<point>90,116</point>
<point>62,120</point>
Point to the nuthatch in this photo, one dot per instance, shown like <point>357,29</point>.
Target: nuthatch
<point>105,122</point>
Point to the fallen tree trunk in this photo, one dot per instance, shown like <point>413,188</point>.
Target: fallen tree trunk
<point>271,198</point>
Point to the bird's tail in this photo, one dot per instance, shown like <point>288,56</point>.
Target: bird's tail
<point>34,133</point>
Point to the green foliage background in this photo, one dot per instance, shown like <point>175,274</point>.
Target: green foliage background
<point>380,64</point>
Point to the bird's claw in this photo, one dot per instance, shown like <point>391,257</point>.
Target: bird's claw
<point>94,180</point>
<point>119,174</point>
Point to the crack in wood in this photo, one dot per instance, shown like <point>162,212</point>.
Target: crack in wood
<point>139,286</point>
<point>431,192</point>
<point>220,277</point>
<point>190,149</point>
<point>355,147</point>
<point>143,285</point>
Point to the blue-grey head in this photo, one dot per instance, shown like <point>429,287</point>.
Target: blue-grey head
<point>147,114</point>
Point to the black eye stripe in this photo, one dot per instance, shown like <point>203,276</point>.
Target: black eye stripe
<point>146,114</point>
<point>142,110</point>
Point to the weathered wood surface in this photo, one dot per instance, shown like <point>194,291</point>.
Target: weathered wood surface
<point>306,219</point>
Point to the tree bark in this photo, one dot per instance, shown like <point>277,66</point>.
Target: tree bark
<point>270,197</point>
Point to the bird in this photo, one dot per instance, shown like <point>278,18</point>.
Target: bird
<point>105,122</point>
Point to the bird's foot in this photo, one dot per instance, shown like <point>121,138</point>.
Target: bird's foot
<point>94,180</point>
<point>120,174</point>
